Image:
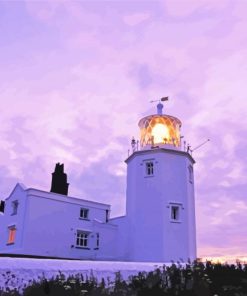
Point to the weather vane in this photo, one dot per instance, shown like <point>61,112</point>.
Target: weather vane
<point>160,100</point>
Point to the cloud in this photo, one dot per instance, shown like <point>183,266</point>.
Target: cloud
<point>186,8</point>
<point>42,10</point>
<point>110,186</point>
<point>135,19</point>
<point>78,76</point>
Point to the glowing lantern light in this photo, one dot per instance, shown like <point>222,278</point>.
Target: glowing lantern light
<point>160,129</point>
<point>159,133</point>
<point>11,238</point>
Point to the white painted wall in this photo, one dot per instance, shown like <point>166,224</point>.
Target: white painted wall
<point>152,236</point>
<point>8,219</point>
<point>47,224</point>
<point>122,238</point>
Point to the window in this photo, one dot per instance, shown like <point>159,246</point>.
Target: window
<point>97,240</point>
<point>190,169</point>
<point>81,239</point>
<point>106,216</point>
<point>2,206</point>
<point>14,207</point>
<point>12,232</point>
<point>84,213</point>
<point>149,168</point>
<point>174,213</point>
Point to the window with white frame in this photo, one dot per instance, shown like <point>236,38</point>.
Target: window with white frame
<point>84,213</point>
<point>14,205</point>
<point>149,168</point>
<point>82,239</point>
<point>175,213</point>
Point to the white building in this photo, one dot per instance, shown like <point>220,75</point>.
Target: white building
<point>159,225</point>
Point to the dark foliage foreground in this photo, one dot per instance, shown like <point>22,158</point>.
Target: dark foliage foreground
<point>195,279</point>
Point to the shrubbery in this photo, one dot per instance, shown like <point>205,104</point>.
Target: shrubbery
<point>197,279</point>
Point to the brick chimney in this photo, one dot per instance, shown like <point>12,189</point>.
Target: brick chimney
<point>59,180</point>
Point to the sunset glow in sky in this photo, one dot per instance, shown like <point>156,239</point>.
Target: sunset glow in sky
<point>77,76</point>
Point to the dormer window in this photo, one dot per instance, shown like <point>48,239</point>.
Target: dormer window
<point>149,168</point>
<point>84,213</point>
<point>14,207</point>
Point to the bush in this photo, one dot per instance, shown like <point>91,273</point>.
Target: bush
<point>196,279</point>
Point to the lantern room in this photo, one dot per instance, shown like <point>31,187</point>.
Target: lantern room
<point>160,130</point>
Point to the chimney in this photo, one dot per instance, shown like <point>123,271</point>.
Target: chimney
<point>59,180</point>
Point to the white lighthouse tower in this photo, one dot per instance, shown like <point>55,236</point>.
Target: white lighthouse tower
<point>160,206</point>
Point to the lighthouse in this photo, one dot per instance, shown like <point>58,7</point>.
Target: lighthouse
<point>160,203</point>
<point>159,224</point>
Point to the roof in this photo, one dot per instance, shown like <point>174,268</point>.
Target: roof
<point>142,123</point>
<point>65,198</point>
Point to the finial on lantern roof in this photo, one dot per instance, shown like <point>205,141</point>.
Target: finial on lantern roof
<point>159,108</point>
<point>160,105</point>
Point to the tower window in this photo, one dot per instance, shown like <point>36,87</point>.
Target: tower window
<point>149,168</point>
<point>14,207</point>
<point>174,213</point>
<point>84,213</point>
<point>81,239</point>
<point>190,170</point>
<point>12,232</point>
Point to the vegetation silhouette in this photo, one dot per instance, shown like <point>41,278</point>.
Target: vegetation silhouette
<point>191,279</point>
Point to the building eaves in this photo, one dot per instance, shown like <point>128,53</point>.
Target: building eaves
<point>158,150</point>
<point>64,198</point>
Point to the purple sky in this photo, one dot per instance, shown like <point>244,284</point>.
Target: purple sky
<point>76,77</point>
